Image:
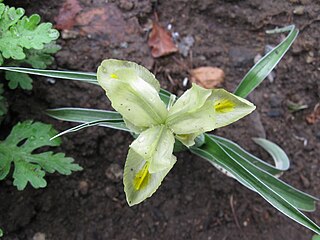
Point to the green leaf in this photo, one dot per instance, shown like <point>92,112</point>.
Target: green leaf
<point>19,79</point>
<point>68,75</point>
<point>266,64</point>
<point>214,153</point>
<point>295,197</point>
<point>316,237</point>
<point>279,156</point>
<point>19,33</point>
<point>40,58</point>
<point>1,233</point>
<point>74,76</point>
<point>18,149</point>
<point>89,117</point>
<point>277,170</point>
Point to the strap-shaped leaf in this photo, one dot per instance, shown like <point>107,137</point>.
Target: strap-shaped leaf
<point>74,76</point>
<point>89,117</point>
<point>297,198</point>
<point>68,75</point>
<point>214,153</point>
<point>277,170</point>
<point>262,68</point>
<point>279,156</point>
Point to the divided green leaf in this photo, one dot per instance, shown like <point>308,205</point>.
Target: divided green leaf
<point>19,32</point>
<point>25,41</point>
<point>18,148</point>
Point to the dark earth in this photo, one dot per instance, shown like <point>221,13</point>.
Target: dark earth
<point>195,200</point>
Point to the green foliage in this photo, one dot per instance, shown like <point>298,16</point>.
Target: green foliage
<point>18,32</point>
<point>19,79</point>
<point>25,41</point>
<point>1,233</point>
<point>18,148</point>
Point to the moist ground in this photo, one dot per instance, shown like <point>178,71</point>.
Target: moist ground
<point>195,201</point>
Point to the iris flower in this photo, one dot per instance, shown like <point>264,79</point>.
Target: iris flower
<point>134,93</point>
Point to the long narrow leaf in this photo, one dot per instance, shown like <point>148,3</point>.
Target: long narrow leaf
<point>213,152</point>
<point>297,198</point>
<point>80,127</point>
<point>69,75</point>
<point>103,118</point>
<point>279,156</point>
<point>262,69</point>
<point>282,164</point>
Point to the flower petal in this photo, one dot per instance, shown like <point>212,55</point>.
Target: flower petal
<point>192,113</point>
<point>155,145</point>
<point>229,107</point>
<point>113,65</point>
<point>133,92</point>
<point>139,183</point>
<point>188,139</point>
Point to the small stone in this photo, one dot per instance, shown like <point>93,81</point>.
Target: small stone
<point>126,4</point>
<point>299,10</point>
<point>241,56</point>
<point>185,45</point>
<point>310,59</point>
<point>275,113</point>
<point>207,77</point>
<point>69,34</point>
<point>51,81</point>
<point>39,236</point>
<point>189,198</point>
<point>114,172</point>
<point>111,192</point>
<point>275,101</point>
<point>83,187</point>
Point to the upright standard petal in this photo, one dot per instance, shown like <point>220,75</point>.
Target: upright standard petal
<point>155,145</point>
<point>192,115</point>
<point>139,183</point>
<point>133,92</point>
<point>229,107</point>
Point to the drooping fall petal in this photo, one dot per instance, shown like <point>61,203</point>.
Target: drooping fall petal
<point>139,183</point>
<point>155,145</point>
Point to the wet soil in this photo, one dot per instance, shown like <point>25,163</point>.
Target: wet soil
<point>195,201</point>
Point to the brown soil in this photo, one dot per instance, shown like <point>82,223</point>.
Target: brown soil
<point>194,201</point>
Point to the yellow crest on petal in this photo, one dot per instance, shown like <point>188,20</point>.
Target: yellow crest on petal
<point>224,106</point>
<point>142,177</point>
